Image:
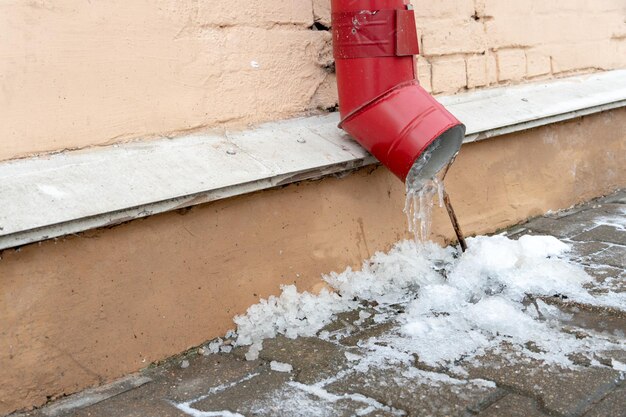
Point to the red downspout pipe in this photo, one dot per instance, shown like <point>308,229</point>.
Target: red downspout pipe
<point>380,101</point>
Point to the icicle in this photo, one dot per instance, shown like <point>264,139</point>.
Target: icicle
<point>440,189</point>
<point>419,207</point>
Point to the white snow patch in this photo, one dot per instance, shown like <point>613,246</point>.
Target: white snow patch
<point>214,346</point>
<point>363,315</point>
<point>616,221</point>
<point>351,356</point>
<point>253,352</point>
<point>292,314</point>
<point>456,306</point>
<point>618,366</point>
<point>187,406</point>
<point>321,393</point>
<point>187,409</point>
<point>280,367</point>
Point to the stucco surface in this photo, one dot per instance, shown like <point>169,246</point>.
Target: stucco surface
<point>82,310</point>
<point>75,73</point>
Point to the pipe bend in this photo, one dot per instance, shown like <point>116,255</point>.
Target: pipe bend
<point>382,105</point>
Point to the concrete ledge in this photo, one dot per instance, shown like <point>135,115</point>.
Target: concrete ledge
<point>55,195</point>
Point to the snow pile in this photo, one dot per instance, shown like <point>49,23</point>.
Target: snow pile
<point>292,314</point>
<point>394,277</point>
<point>515,268</point>
<point>456,306</point>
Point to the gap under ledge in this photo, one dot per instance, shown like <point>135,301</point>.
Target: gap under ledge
<point>61,194</point>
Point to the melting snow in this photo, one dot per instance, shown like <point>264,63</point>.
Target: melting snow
<point>618,222</point>
<point>619,366</point>
<point>187,406</point>
<point>280,367</point>
<point>453,306</point>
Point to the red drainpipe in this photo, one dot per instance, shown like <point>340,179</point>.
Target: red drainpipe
<point>380,101</point>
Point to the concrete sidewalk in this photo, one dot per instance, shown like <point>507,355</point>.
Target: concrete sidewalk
<point>322,382</point>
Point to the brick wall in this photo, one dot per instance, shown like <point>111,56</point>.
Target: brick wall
<point>75,74</point>
<point>470,44</point>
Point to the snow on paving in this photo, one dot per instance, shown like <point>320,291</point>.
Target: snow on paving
<point>618,222</point>
<point>441,306</point>
<point>280,367</point>
<point>453,306</point>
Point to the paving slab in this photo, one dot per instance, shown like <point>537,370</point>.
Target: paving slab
<point>366,333</point>
<point>612,256</point>
<point>613,405</point>
<point>598,319</point>
<point>568,224</point>
<point>419,393</point>
<point>513,405</point>
<point>602,233</point>
<point>618,197</point>
<point>554,227</point>
<point>591,212</point>
<point>180,379</point>
<point>271,394</point>
<point>585,250</point>
<point>74,404</point>
<point>560,391</point>
<point>195,374</point>
<point>141,402</point>
<point>312,359</point>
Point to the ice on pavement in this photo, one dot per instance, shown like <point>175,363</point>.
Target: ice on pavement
<point>452,306</point>
<point>618,221</point>
<point>280,367</point>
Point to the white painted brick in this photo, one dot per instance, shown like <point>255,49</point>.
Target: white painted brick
<point>321,12</point>
<point>444,37</point>
<point>444,8</point>
<point>256,13</point>
<point>325,96</point>
<point>477,73</point>
<point>492,67</point>
<point>448,74</point>
<point>511,64</point>
<point>537,63</point>
<point>423,73</point>
<point>620,53</point>
<point>595,55</point>
<point>509,29</point>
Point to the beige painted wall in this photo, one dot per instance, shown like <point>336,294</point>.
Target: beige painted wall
<point>77,73</point>
<point>476,43</point>
<point>82,310</point>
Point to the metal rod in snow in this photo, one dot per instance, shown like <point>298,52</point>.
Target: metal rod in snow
<point>455,221</point>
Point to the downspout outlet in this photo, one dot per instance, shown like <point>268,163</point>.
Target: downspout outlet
<point>382,105</point>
